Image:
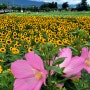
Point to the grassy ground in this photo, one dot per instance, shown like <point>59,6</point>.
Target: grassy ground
<point>56,13</point>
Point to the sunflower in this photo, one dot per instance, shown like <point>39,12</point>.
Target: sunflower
<point>29,49</point>
<point>9,41</point>
<point>1,69</point>
<point>25,46</point>
<point>1,60</point>
<point>3,45</point>
<point>3,50</point>
<point>14,33</point>
<point>59,42</point>
<point>11,48</point>
<point>15,50</point>
<point>0,34</point>
<point>36,40</point>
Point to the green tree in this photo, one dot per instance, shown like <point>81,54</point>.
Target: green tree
<point>3,6</point>
<point>65,5</point>
<point>82,6</point>
<point>34,8</point>
<point>49,6</point>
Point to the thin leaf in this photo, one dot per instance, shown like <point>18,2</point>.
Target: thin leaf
<point>56,69</point>
<point>58,61</point>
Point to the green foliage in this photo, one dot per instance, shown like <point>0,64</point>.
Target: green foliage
<point>48,6</point>
<point>6,80</point>
<point>3,6</point>
<point>48,52</point>
<point>55,13</point>
<point>82,6</point>
<point>65,5</point>
<point>84,82</point>
<point>58,61</point>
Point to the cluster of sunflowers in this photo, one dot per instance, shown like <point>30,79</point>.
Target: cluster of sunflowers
<point>22,34</point>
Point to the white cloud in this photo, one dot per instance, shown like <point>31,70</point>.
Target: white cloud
<point>62,1</point>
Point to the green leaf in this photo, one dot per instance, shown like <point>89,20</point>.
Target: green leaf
<point>36,51</point>
<point>75,52</point>
<point>56,69</point>
<point>58,61</point>
<point>67,78</point>
<point>73,49</point>
<point>87,45</point>
<point>74,33</point>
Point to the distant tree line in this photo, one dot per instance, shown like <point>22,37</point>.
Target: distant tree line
<point>3,6</point>
<point>49,6</point>
<point>82,6</point>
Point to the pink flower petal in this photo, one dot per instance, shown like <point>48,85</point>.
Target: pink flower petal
<point>34,60</point>
<point>78,75</point>
<point>75,66</point>
<point>87,68</point>
<point>60,85</point>
<point>44,76</point>
<point>26,84</point>
<point>89,54</point>
<point>67,53</point>
<point>84,53</point>
<point>21,69</point>
<point>38,86</point>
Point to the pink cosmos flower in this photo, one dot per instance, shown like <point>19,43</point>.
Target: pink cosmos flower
<point>65,53</point>
<point>72,65</point>
<point>86,55</point>
<point>60,85</point>
<point>30,73</point>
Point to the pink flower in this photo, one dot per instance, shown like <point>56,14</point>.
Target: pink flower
<point>72,65</point>
<point>86,55</point>
<point>65,53</point>
<point>60,85</point>
<point>30,73</point>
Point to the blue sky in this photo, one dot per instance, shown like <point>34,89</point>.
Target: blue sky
<point>61,1</point>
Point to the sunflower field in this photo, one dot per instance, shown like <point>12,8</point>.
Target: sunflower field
<point>22,34</point>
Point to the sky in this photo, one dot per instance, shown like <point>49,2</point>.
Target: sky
<point>62,1</point>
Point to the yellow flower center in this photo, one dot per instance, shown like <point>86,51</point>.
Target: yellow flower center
<point>38,75</point>
<point>87,62</point>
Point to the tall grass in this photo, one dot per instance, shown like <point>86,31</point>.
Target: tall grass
<point>55,13</point>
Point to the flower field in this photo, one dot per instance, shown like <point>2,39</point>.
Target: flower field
<point>22,34</point>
